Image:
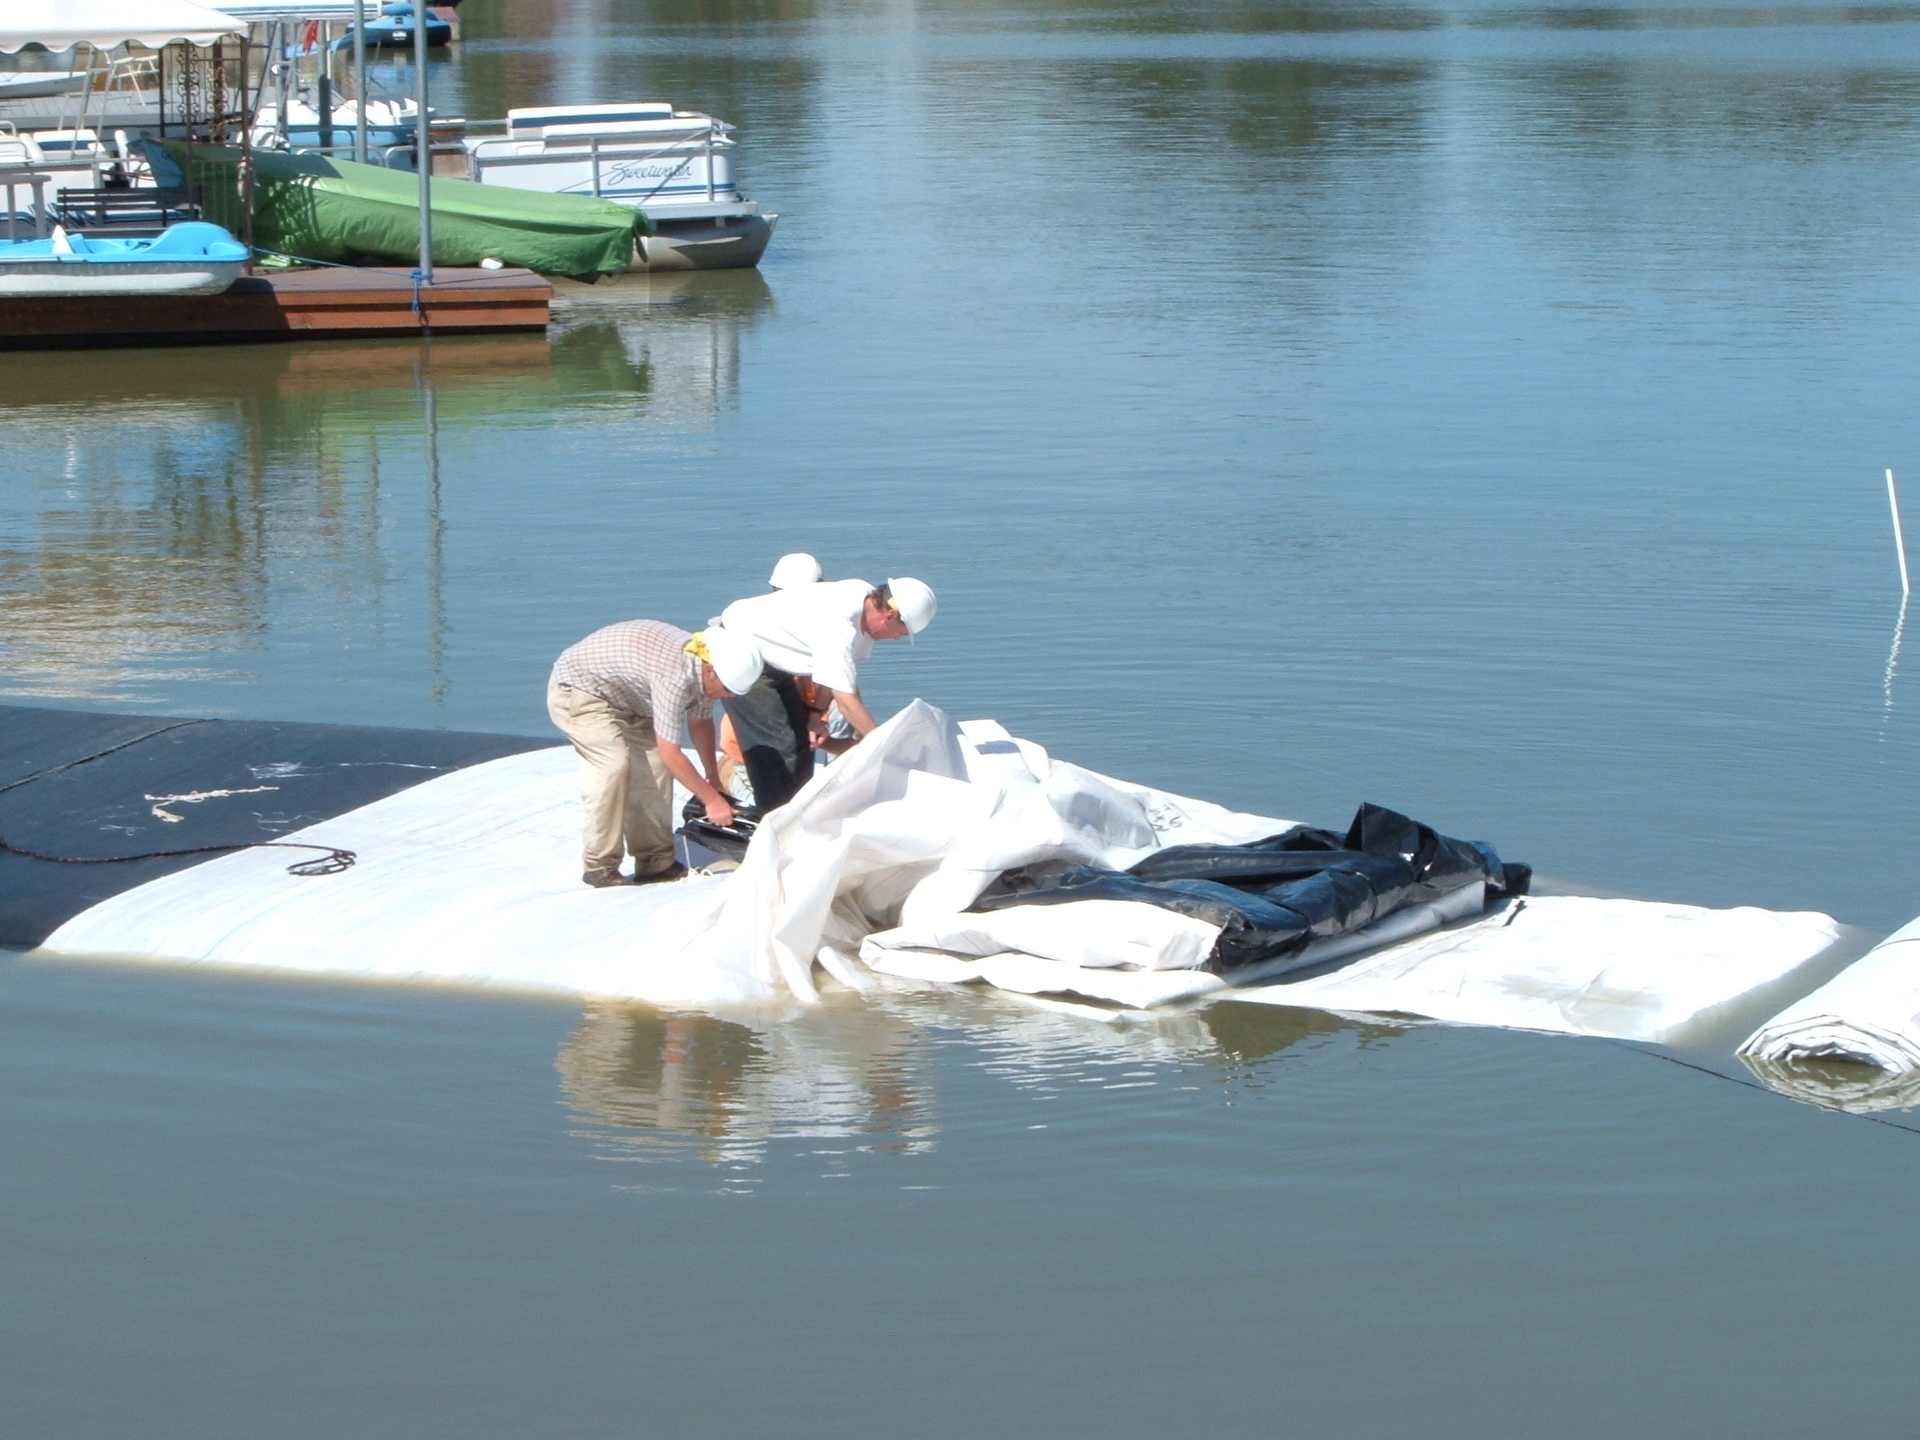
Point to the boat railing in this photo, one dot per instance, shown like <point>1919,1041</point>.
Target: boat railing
<point>707,147</point>
<point>627,147</point>
<point>410,151</point>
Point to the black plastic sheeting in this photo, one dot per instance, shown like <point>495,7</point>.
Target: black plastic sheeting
<point>89,786</point>
<point>719,842</point>
<point>1274,897</point>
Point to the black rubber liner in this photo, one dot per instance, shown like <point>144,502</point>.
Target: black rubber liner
<point>708,842</point>
<point>90,786</point>
<point>1274,897</point>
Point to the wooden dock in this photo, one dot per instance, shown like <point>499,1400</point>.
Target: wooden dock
<point>321,304</point>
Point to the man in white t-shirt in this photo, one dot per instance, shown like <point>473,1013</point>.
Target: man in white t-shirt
<point>820,631</point>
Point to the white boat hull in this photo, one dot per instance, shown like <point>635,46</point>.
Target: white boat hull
<point>655,176</point>
<point>736,243</point>
<point>676,165</point>
<point>43,279</point>
<point>33,85</point>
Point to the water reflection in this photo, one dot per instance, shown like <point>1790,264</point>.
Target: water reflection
<point>1838,1084</point>
<point>668,1085</point>
<point>679,335</point>
<point>865,1073</point>
<point>159,501</point>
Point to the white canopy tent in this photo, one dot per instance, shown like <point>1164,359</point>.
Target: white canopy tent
<point>108,24</point>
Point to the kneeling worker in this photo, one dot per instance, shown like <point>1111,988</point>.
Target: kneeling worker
<point>822,630</point>
<point>622,696</point>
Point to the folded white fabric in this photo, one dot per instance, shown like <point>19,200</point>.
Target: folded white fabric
<point>1092,934</point>
<point>1075,949</point>
<point>1868,1014</point>
<point>1577,966</point>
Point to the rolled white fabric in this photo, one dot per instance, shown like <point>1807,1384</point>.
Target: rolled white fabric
<point>1867,1015</point>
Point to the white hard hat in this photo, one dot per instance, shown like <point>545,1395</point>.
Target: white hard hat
<point>735,659</point>
<point>793,570</point>
<point>914,600</point>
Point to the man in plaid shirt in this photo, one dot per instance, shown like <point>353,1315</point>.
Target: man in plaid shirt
<point>623,696</point>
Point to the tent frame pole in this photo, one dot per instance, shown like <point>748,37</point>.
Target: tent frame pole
<point>360,78</point>
<point>249,107</point>
<point>423,140</point>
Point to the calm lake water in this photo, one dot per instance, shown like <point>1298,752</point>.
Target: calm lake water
<point>1481,411</point>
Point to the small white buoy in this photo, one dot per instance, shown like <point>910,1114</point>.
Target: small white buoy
<point>1899,540</point>
<point>61,244</point>
<point>492,264</point>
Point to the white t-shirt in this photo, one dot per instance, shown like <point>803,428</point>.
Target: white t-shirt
<point>809,630</point>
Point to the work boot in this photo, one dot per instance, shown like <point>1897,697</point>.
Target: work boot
<point>674,871</point>
<point>600,879</point>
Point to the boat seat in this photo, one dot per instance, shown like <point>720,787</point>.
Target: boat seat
<point>190,237</point>
<point>134,205</point>
<point>70,144</point>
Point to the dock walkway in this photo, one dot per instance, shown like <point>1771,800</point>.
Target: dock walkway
<point>317,304</point>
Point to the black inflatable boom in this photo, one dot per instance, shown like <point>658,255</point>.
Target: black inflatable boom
<point>99,788</point>
<point>1274,897</point>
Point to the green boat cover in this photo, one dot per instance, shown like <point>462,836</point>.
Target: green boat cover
<point>310,207</point>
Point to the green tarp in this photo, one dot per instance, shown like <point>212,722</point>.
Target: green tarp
<point>314,208</point>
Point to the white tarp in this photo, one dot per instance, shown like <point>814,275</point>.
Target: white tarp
<point>1867,1015</point>
<point>474,877</point>
<point>1631,969</point>
<point>108,24</point>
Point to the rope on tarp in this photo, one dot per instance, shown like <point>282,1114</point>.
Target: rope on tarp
<point>331,861</point>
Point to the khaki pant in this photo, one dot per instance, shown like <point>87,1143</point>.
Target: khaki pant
<point>627,791</point>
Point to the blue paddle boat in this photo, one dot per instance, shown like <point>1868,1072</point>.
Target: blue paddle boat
<point>192,258</point>
<point>393,29</point>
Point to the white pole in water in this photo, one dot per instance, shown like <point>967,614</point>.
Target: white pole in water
<point>423,139</point>
<point>360,78</point>
<point>1899,540</point>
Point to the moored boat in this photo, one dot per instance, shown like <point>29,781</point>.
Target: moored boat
<point>394,27</point>
<point>192,258</point>
<point>390,123</point>
<point>322,208</point>
<point>676,165</point>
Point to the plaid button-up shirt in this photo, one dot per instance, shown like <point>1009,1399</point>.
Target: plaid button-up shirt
<point>642,667</point>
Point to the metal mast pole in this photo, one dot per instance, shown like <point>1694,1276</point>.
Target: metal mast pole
<point>360,78</point>
<point>423,140</point>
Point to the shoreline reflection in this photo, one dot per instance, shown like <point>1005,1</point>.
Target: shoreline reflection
<point>173,513</point>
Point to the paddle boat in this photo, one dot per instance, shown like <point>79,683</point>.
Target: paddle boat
<point>389,123</point>
<point>394,27</point>
<point>192,258</point>
<point>676,165</point>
